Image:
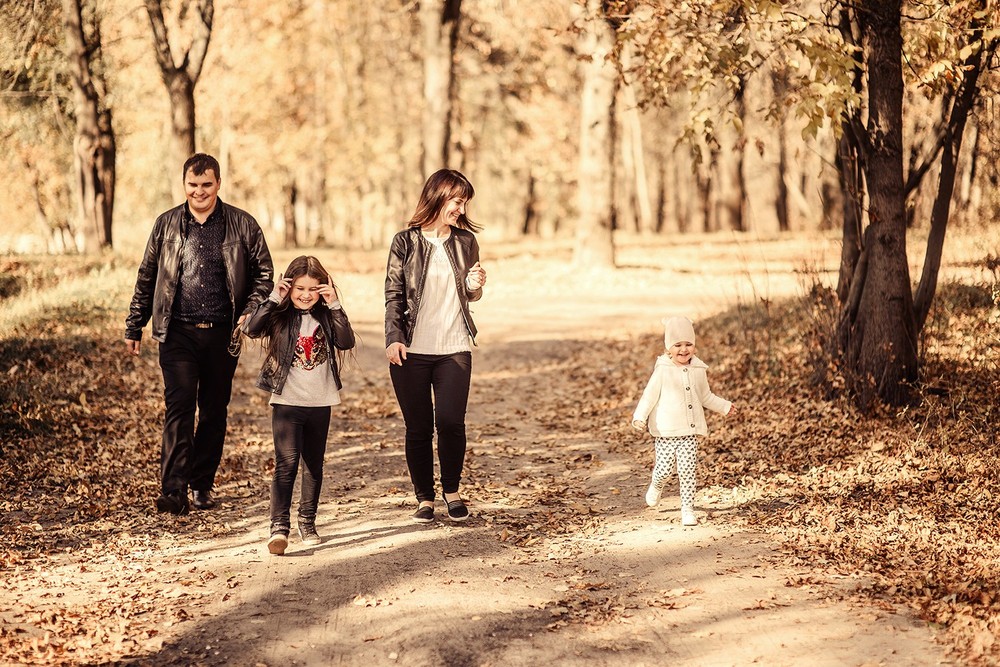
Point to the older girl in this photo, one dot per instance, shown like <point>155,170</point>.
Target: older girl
<point>304,329</point>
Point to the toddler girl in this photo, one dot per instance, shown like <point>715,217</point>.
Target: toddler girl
<point>302,323</point>
<point>673,403</point>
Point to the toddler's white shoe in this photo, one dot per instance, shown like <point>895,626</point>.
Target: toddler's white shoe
<point>687,517</point>
<point>653,495</point>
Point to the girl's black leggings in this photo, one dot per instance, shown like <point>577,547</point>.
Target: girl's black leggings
<point>433,392</point>
<point>299,434</point>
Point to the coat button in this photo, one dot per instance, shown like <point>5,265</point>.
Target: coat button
<point>692,425</point>
<point>689,406</point>
<point>687,388</point>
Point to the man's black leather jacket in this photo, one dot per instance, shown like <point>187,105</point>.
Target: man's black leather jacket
<point>336,328</point>
<point>249,271</point>
<point>407,270</point>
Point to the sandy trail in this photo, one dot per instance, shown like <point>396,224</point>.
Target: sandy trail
<point>561,564</point>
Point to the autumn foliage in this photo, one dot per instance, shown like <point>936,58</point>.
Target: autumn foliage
<point>905,499</point>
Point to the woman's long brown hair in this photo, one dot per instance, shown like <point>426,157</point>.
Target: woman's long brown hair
<point>442,186</point>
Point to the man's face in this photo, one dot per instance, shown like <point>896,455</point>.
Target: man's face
<point>202,191</point>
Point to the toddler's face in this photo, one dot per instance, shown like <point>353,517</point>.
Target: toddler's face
<point>681,352</point>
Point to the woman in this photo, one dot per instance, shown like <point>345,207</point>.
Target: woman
<point>432,274</point>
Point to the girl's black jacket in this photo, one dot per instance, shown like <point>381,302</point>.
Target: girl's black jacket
<point>336,328</point>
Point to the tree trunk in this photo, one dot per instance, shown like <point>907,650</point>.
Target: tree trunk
<point>104,164</point>
<point>736,195</point>
<point>439,20</point>
<point>182,122</point>
<point>594,244</point>
<point>291,227</point>
<point>94,143</point>
<point>180,79</point>
<point>955,129</point>
<point>850,173</point>
<point>635,156</point>
<point>879,338</point>
<point>529,226</point>
<point>851,179</point>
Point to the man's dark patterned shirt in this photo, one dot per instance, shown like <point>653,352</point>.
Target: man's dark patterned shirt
<point>202,293</point>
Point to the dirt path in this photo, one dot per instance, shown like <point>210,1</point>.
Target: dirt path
<point>562,563</point>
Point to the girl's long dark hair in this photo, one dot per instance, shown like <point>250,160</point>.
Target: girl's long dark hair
<point>442,186</point>
<point>282,315</point>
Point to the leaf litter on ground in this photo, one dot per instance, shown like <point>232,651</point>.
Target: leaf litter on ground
<point>906,498</point>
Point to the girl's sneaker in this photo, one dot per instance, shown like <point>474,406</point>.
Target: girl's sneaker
<point>277,543</point>
<point>687,517</point>
<point>307,531</point>
<point>653,495</point>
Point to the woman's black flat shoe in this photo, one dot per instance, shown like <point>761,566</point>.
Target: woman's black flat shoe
<point>457,511</point>
<point>424,514</point>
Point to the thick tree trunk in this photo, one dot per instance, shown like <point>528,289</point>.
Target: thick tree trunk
<point>182,122</point>
<point>439,20</point>
<point>94,144</point>
<point>180,79</point>
<point>594,241</point>
<point>879,341</point>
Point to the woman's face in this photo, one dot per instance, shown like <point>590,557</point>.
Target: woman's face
<point>453,209</point>
<point>305,292</point>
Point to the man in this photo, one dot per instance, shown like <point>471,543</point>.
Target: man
<point>206,267</point>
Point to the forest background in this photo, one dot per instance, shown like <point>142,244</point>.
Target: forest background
<point>583,121</point>
<point>580,118</point>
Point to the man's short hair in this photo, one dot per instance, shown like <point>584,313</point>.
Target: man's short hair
<point>199,163</point>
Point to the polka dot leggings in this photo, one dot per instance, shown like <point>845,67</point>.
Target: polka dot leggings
<point>684,450</point>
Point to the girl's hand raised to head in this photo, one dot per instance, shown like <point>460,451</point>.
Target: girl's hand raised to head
<point>282,286</point>
<point>329,293</point>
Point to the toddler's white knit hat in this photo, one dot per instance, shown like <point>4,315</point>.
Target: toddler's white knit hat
<point>676,329</point>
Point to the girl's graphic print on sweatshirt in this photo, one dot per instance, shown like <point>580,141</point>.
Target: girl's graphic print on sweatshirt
<point>311,350</point>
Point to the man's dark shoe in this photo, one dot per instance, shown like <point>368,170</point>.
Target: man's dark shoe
<point>175,502</point>
<point>203,500</point>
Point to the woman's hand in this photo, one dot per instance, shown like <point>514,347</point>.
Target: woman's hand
<point>639,425</point>
<point>396,353</point>
<point>329,293</point>
<point>475,279</point>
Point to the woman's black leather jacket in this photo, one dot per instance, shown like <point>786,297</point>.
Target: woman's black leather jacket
<point>407,270</point>
<point>274,372</point>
